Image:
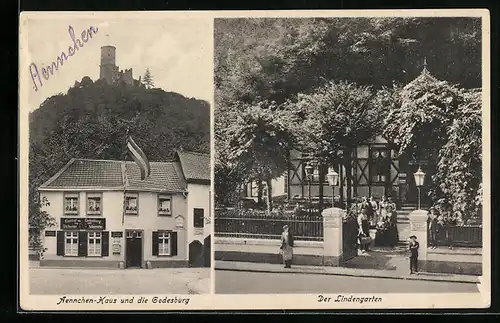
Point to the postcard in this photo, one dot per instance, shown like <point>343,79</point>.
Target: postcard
<point>254,160</point>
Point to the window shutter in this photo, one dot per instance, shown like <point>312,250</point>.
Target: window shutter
<point>155,243</point>
<point>105,244</point>
<point>173,241</point>
<point>60,243</point>
<point>82,244</point>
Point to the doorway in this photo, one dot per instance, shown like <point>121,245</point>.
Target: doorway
<point>133,247</point>
<point>207,251</point>
<point>196,254</point>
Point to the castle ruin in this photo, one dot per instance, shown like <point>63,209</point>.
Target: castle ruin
<point>111,73</point>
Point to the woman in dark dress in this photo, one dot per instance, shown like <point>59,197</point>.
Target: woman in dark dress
<point>363,230</point>
<point>392,231</point>
<point>287,247</point>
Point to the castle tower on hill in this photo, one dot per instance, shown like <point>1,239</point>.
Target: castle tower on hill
<point>110,72</point>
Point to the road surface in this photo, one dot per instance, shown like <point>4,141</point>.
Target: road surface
<point>115,281</point>
<point>240,282</point>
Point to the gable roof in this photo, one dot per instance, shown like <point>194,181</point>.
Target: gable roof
<point>163,176</point>
<point>115,175</point>
<point>195,166</point>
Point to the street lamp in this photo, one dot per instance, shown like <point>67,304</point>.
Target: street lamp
<point>333,178</point>
<point>419,181</point>
<point>309,174</point>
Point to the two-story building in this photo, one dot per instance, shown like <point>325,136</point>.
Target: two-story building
<point>108,217</point>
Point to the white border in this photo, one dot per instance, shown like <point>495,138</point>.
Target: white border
<point>257,301</point>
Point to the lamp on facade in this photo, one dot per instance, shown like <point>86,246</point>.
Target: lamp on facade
<point>309,174</point>
<point>419,181</point>
<point>333,178</point>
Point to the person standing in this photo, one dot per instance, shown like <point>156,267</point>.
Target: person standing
<point>393,233</point>
<point>413,248</point>
<point>391,203</point>
<point>433,228</point>
<point>374,211</point>
<point>449,222</point>
<point>383,207</point>
<point>287,246</point>
<point>363,230</point>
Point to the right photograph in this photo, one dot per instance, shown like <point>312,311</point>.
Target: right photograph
<point>348,155</point>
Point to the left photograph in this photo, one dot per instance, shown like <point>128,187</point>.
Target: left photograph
<point>119,168</point>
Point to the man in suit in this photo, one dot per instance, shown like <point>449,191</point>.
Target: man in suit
<point>413,248</point>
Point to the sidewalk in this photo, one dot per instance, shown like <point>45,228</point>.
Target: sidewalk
<point>342,271</point>
<point>199,286</point>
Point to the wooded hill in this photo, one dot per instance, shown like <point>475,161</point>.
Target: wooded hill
<point>92,120</point>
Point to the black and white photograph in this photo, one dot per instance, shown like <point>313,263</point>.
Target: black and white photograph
<point>117,110</point>
<point>349,157</point>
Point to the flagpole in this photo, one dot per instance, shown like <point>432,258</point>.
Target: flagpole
<point>125,175</point>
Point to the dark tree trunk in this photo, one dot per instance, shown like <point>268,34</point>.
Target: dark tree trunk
<point>270,194</point>
<point>321,173</point>
<point>341,184</point>
<point>347,164</point>
<point>259,192</point>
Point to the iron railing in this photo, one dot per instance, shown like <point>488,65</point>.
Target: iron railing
<point>238,223</point>
<point>466,236</point>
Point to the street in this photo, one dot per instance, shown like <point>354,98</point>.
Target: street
<point>110,281</point>
<point>238,282</point>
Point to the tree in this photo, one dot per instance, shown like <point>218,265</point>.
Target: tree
<point>38,222</point>
<point>147,80</point>
<point>425,110</point>
<point>338,116</point>
<point>459,171</point>
<point>278,58</point>
<point>258,140</point>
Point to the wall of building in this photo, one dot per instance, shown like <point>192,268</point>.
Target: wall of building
<point>365,175</point>
<point>198,197</point>
<point>147,221</point>
<point>127,77</point>
<point>267,251</point>
<point>279,188</point>
<point>108,67</point>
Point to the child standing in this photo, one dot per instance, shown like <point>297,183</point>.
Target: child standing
<point>413,247</point>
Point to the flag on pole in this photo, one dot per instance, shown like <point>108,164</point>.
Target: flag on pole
<point>139,157</point>
<point>125,184</point>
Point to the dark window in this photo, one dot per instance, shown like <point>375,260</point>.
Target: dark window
<point>199,218</point>
<point>380,164</point>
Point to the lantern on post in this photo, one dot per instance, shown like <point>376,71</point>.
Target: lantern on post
<point>333,178</point>
<point>419,182</point>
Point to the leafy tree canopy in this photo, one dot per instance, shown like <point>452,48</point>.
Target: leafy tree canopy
<point>337,116</point>
<point>278,58</point>
<point>422,113</point>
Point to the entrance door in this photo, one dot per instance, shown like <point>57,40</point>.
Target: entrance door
<point>134,249</point>
<point>196,254</point>
<point>206,251</point>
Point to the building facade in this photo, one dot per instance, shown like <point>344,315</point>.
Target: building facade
<point>376,170</point>
<point>106,216</point>
<point>279,188</point>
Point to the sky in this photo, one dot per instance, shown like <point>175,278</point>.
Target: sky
<point>177,51</point>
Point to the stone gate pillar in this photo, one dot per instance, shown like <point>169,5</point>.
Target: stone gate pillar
<point>332,236</point>
<point>418,228</point>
